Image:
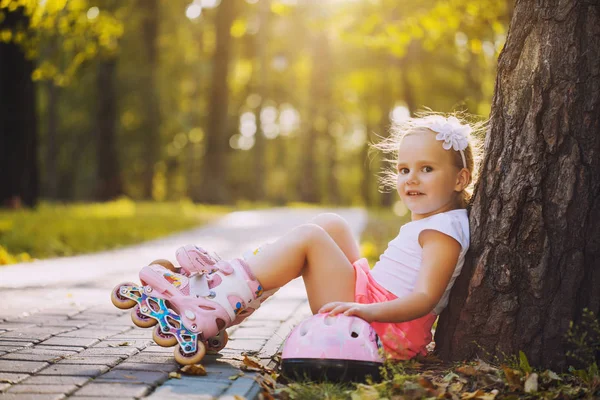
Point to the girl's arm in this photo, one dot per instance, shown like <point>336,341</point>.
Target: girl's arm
<point>440,255</point>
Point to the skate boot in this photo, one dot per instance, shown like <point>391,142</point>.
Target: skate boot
<point>196,260</point>
<point>189,310</point>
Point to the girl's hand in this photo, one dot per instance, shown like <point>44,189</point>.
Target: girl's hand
<point>364,311</point>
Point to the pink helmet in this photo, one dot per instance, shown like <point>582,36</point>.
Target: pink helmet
<point>335,348</point>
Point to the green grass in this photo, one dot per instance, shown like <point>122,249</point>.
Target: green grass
<point>53,230</point>
<point>382,227</point>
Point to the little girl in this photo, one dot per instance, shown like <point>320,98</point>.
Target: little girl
<point>410,284</point>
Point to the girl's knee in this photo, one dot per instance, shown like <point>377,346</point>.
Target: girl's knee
<point>331,223</point>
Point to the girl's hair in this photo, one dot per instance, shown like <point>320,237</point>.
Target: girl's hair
<point>400,129</point>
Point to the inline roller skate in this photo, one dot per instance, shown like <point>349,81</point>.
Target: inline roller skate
<point>192,308</point>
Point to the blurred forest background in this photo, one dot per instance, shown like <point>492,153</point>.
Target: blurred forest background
<point>222,101</point>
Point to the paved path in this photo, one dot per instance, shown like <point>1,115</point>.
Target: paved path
<point>61,337</point>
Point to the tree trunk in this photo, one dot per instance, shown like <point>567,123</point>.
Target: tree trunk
<point>260,160</point>
<point>217,138</point>
<point>534,262</point>
<point>150,96</point>
<point>319,82</point>
<point>109,183</point>
<point>18,121</point>
<point>51,172</point>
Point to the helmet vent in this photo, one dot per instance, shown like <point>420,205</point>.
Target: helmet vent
<point>354,334</point>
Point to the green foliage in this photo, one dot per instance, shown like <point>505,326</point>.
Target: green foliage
<point>61,230</point>
<point>584,340</point>
<point>382,226</point>
<point>62,35</point>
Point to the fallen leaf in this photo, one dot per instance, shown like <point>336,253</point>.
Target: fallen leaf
<point>174,375</point>
<point>531,383</point>
<point>365,392</point>
<point>450,376</point>
<point>252,362</point>
<point>472,395</point>
<point>513,378</point>
<point>234,377</point>
<point>4,380</point>
<point>119,344</point>
<point>194,369</point>
<point>467,370</point>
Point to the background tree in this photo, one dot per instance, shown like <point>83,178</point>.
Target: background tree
<point>534,262</point>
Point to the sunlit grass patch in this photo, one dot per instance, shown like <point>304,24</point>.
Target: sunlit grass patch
<point>53,230</point>
<point>382,226</point>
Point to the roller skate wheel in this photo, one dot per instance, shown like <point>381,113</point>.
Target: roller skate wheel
<point>148,289</point>
<point>163,339</point>
<point>190,315</point>
<point>188,359</point>
<point>117,296</point>
<point>141,320</point>
<point>217,343</point>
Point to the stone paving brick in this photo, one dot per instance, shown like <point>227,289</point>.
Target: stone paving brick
<point>18,366</point>
<point>280,310</point>
<point>11,326</point>
<point>154,348</point>
<point>252,333</point>
<point>139,344</point>
<point>42,389</point>
<point>148,366</point>
<point>68,323</point>
<point>129,376</point>
<point>110,351</point>
<point>249,344</point>
<point>88,333</point>
<point>73,349</point>
<point>244,386</point>
<point>160,358</point>
<point>74,370</point>
<point>57,380</point>
<point>23,396</point>
<point>8,377</point>
<point>117,390</point>
<point>37,319</point>
<point>31,357</point>
<point>35,333</point>
<point>110,361</point>
<point>191,385</point>
<point>51,350</point>
<point>9,349</point>
<point>69,341</point>
<point>99,398</point>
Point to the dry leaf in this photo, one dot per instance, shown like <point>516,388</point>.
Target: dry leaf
<point>513,378</point>
<point>4,380</point>
<point>472,395</point>
<point>252,363</point>
<point>467,370</point>
<point>234,377</point>
<point>118,344</point>
<point>194,369</point>
<point>174,375</point>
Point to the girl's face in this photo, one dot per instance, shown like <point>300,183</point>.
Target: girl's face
<point>428,180</point>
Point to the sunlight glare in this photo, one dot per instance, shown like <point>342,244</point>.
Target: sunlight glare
<point>193,11</point>
<point>93,13</point>
<point>210,3</point>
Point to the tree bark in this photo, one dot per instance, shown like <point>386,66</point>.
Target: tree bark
<point>109,182</point>
<point>18,121</point>
<point>150,95</point>
<point>217,139</point>
<point>534,262</point>
<point>51,173</point>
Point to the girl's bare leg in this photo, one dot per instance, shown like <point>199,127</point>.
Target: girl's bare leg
<point>340,232</point>
<point>311,252</point>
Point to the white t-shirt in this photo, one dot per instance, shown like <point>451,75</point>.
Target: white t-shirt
<point>398,267</point>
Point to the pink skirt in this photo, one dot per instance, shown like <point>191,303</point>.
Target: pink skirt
<point>402,340</point>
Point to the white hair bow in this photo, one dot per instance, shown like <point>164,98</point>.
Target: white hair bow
<point>450,131</point>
